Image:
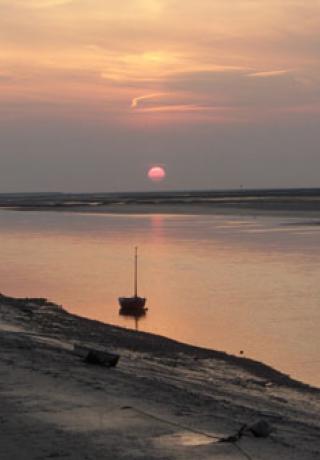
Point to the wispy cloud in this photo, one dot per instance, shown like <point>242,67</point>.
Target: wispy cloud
<point>136,100</point>
<point>269,73</point>
<point>35,4</point>
<point>184,108</point>
<point>5,77</point>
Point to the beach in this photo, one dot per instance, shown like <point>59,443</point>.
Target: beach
<point>164,400</point>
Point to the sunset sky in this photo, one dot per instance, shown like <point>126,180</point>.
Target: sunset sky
<point>221,93</point>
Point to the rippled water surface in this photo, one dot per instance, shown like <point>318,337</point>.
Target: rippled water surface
<point>233,283</point>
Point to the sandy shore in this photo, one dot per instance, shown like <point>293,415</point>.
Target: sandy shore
<point>164,400</point>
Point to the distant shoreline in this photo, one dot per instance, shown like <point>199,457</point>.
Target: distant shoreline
<point>286,202</point>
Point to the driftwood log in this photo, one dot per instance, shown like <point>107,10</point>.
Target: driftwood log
<point>99,357</point>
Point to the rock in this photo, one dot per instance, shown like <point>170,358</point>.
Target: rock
<point>260,429</point>
<point>102,358</point>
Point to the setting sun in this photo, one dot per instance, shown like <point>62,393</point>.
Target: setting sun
<point>156,173</point>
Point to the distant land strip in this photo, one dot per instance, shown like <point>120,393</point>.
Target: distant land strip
<point>288,200</point>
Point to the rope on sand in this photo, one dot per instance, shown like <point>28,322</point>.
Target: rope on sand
<point>230,439</point>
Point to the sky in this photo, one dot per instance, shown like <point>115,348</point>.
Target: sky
<point>220,93</point>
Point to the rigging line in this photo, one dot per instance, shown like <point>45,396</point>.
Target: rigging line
<point>169,422</point>
<point>192,430</point>
<point>248,457</point>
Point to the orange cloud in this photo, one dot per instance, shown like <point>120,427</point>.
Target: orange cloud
<point>108,52</point>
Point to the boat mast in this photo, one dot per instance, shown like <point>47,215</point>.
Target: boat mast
<point>136,271</point>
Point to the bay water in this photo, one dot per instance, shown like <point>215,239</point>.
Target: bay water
<point>248,285</point>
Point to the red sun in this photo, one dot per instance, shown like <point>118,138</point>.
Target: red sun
<point>156,173</point>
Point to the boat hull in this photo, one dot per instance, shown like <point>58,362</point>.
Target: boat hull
<point>132,303</point>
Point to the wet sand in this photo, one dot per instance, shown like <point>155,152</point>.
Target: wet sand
<point>164,400</point>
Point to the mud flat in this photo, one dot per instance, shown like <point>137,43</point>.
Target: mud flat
<point>164,400</point>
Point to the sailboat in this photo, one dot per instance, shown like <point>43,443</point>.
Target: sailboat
<point>133,304</point>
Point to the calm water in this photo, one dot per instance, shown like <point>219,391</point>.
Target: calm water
<point>225,282</point>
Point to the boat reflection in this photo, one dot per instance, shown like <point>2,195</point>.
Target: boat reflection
<point>136,315</point>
